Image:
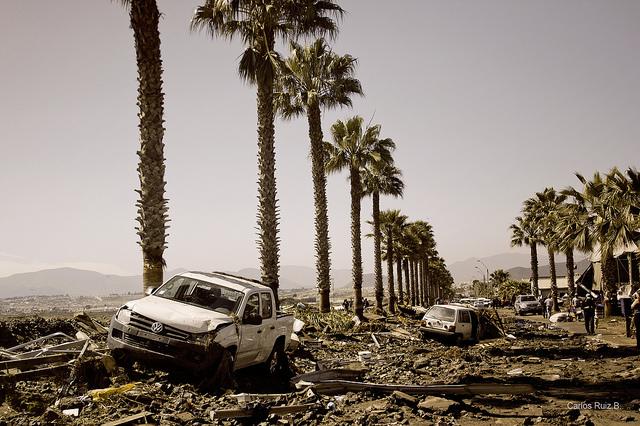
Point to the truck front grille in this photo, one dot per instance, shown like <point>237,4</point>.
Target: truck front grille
<point>144,323</point>
<point>152,345</point>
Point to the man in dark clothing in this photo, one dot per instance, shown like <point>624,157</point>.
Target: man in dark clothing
<point>635,307</point>
<point>588,309</point>
<point>625,307</point>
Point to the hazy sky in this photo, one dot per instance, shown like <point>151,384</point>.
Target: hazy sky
<point>488,102</point>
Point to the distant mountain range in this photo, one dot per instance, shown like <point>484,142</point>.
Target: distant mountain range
<point>517,264</point>
<point>520,273</point>
<point>77,282</point>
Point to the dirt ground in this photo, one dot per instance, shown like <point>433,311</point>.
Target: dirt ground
<point>576,379</point>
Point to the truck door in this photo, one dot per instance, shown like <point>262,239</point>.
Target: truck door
<point>269,324</point>
<point>250,335</point>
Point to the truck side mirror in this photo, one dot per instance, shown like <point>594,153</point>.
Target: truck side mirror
<point>252,319</point>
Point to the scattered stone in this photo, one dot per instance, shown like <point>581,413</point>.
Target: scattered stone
<point>403,398</point>
<point>438,405</point>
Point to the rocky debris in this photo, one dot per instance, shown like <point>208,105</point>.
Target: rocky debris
<point>381,389</point>
<point>438,405</point>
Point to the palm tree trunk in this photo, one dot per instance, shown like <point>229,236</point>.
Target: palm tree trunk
<point>377,252</point>
<point>419,282</point>
<point>356,267</point>
<point>571,283</point>
<point>554,283</point>
<point>390,278</point>
<point>414,295</point>
<point>630,268</point>
<point>399,273</point>
<point>420,290</point>
<point>321,220</point>
<point>424,283</point>
<point>407,279</point>
<point>534,269</point>
<point>432,290</point>
<point>267,203</point>
<point>152,206</point>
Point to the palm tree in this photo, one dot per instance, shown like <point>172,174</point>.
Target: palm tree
<point>421,246</point>
<point>543,208</point>
<point>403,251</point>
<point>609,222</point>
<point>623,192</point>
<point>398,252</point>
<point>152,206</point>
<point>525,232</point>
<point>426,250</point>
<point>572,234</point>
<point>311,79</point>
<point>391,222</point>
<point>355,148</point>
<point>498,276</point>
<point>441,277</point>
<point>380,178</point>
<point>258,23</point>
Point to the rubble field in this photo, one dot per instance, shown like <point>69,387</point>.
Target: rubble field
<point>342,371</point>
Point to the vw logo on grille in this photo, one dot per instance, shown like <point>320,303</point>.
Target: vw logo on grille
<point>157,327</point>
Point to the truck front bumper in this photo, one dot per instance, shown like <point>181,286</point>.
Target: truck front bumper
<point>142,345</point>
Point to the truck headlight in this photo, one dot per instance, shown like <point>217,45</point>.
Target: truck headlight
<point>204,339</point>
<point>123,316</point>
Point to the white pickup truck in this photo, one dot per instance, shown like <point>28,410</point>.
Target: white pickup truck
<point>195,317</point>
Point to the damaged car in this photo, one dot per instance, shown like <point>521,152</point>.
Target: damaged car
<point>198,320</point>
<point>454,323</point>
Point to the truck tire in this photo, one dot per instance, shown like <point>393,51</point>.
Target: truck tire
<point>220,374</point>
<point>123,359</point>
<point>278,362</point>
<point>458,340</point>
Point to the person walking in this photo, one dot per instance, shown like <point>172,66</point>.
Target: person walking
<point>548,303</point>
<point>625,307</point>
<point>588,310</point>
<point>635,307</point>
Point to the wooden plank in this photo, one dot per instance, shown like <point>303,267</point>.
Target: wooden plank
<point>32,362</point>
<point>34,374</point>
<point>330,374</point>
<point>343,386</point>
<point>129,419</point>
<point>239,412</point>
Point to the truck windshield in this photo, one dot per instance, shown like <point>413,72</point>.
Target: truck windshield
<point>200,293</point>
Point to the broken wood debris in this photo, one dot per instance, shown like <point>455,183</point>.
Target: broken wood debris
<point>34,374</point>
<point>329,374</point>
<point>129,419</point>
<point>239,412</point>
<point>21,364</point>
<point>331,387</point>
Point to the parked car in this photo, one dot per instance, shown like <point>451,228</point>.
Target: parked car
<point>483,303</point>
<point>455,322</point>
<point>195,316</point>
<point>527,304</point>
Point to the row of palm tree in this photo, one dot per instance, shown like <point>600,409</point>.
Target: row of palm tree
<point>310,80</point>
<point>603,216</point>
<point>411,247</point>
